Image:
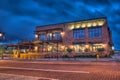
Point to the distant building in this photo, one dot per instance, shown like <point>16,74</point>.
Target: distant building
<point>83,37</point>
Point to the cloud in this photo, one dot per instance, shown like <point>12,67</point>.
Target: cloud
<point>19,18</point>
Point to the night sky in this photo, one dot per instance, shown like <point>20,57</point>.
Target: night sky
<point>19,18</point>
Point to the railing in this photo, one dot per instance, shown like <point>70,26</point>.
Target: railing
<point>52,40</point>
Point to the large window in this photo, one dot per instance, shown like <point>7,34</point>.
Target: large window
<point>42,36</point>
<point>49,36</point>
<point>79,47</point>
<point>94,47</point>
<point>57,36</point>
<point>95,32</point>
<point>79,33</point>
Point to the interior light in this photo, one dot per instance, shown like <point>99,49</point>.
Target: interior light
<point>100,23</point>
<point>94,23</point>
<point>89,24</point>
<point>83,25</point>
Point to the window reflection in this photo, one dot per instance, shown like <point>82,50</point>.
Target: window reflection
<point>57,36</point>
<point>95,32</point>
<point>79,33</point>
<point>42,36</point>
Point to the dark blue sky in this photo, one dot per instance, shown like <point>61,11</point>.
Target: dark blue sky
<point>19,18</point>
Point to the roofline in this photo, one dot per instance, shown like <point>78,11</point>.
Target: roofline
<point>70,22</point>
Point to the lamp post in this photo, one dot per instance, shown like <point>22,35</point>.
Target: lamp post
<point>1,38</point>
<point>1,34</point>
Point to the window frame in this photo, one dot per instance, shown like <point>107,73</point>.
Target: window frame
<point>43,36</point>
<point>79,33</point>
<point>95,32</point>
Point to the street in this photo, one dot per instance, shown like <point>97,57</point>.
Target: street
<point>59,70</point>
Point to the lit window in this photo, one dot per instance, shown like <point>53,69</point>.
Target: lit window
<point>77,25</point>
<point>89,24</point>
<point>71,26</point>
<point>83,25</point>
<point>49,36</point>
<point>79,47</point>
<point>94,24</point>
<point>100,22</point>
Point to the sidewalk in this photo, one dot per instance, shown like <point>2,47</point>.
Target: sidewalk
<point>68,59</point>
<point>113,58</point>
<point>77,59</point>
<point>4,76</point>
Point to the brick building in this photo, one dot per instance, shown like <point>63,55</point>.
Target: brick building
<point>83,37</point>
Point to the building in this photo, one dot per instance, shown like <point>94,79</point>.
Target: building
<point>83,37</point>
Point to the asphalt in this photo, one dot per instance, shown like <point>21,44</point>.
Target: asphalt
<point>59,70</point>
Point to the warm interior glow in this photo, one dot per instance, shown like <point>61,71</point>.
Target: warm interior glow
<point>89,24</point>
<point>77,25</point>
<point>49,48</point>
<point>103,45</point>
<point>36,48</point>
<point>87,46</point>
<point>71,46</point>
<point>100,23</point>
<point>83,25</point>
<point>94,24</point>
<point>62,47</point>
<point>71,26</point>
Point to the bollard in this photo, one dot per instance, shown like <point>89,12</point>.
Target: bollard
<point>97,57</point>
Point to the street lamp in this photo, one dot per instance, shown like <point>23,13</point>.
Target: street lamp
<point>1,37</point>
<point>1,34</point>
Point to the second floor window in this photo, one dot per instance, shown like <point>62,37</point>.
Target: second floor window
<point>49,36</point>
<point>79,33</point>
<point>57,36</point>
<point>95,32</point>
<point>42,36</point>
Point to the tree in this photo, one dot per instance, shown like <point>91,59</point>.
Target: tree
<point>1,51</point>
<point>100,51</point>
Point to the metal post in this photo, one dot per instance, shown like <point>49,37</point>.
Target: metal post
<point>57,46</point>
<point>2,37</point>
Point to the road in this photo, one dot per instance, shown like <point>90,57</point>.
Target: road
<point>58,70</point>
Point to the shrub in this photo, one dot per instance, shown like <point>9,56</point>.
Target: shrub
<point>100,49</point>
<point>65,56</point>
<point>69,50</point>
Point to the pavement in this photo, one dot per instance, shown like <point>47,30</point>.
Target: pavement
<point>114,58</point>
<point>4,76</point>
<point>59,70</point>
<point>78,59</point>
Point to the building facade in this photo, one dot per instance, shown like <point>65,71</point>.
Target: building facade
<point>83,37</point>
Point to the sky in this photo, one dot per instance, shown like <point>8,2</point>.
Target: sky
<point>19,18</point>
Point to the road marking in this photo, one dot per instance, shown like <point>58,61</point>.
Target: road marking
<point>51,70</point>
<point>11,76</point>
